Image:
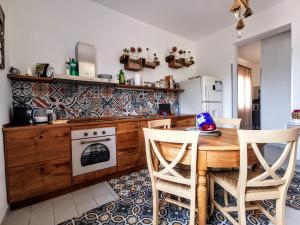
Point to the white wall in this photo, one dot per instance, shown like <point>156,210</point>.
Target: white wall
<point>47,31</point>
<point>217,52</point>
<point>5,101</point>
<point>276,81</point>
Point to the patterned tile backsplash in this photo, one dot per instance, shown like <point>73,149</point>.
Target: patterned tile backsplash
<point>85,101</point>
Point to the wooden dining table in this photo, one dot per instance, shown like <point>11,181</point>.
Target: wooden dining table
<point>213,152</point>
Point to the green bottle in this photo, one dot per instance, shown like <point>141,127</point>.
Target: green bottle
<point>121,77</point>
<point>73,67</point>
<point>77,68</point>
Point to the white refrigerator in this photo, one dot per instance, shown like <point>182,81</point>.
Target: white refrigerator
<point>202,94</point>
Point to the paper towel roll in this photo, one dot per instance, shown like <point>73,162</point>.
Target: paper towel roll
<point>137,79</point>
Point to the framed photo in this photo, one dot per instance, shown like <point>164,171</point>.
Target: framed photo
<point>2,47</point>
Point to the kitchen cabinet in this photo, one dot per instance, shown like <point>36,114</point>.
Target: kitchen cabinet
<point>37,160</point>
<point>38,178</point>
<point>143,159</point>
<point>36,145</point>
<point>186,122</point>
<point>128,154</point>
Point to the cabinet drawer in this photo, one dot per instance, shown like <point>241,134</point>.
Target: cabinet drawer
<point>128,158</point>
<point>127,127</point>
<point>128,140</point>
<point>35,145</point>
<point>39,178</point>
<point>191,122</point>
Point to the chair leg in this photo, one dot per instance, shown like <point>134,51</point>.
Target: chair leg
<point>241,211</point>
<point>212,195</point>
<point>180,200</point>
<point>280,211</point>
<point>256,212</point>
<point>155,207</point>
<point>193,211</point>
<point>225,198</point>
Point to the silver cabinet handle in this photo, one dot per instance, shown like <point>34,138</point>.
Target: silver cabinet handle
<point>94,141</point>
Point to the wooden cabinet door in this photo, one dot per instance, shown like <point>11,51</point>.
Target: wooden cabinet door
<point>143,159</point>
<point>186,122</point>
<point>39,178</point>
<point>24,147</point>
<point>23,182</point>
<point>127,145</point>
<point>55,174</point>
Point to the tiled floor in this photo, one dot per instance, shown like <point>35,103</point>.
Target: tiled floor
<point>292,216</point>
<point>64,207</point>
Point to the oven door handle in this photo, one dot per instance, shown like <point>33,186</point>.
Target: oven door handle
<point>94,141</point>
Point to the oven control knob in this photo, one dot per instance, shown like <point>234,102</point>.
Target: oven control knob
<point>86,134</point>
<point>95,133</point>
<point>103,132</point>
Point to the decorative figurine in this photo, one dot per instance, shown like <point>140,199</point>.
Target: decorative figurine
<point>205,122</point>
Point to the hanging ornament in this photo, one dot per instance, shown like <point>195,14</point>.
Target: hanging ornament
<point>236,6</point>
<point>248,12</point>
<point>245,3</point>
<point>240,25</point>
<point>241,10</point>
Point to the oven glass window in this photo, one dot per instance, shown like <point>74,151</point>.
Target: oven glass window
<point>95,153</point>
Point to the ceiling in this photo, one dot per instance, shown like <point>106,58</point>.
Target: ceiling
<point>191,19</point>
<point>251,52</point>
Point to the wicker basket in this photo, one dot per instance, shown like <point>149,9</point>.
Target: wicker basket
<point>296,115</point>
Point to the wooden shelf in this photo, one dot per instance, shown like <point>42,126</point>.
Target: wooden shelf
<point>90,81</point>
<point>30,78</point>
<point>146,88</point>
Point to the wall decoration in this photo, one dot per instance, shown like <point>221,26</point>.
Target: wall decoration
<point>134,61</point>
<point>150,62</point>
<point>131,59</point>
<point>85,101</point>
<point>177,60</point>
<point>2,40</point>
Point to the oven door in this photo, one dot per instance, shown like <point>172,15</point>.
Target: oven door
<point>93,154</point>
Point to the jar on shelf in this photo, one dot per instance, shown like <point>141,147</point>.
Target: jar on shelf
<point>162,83</point>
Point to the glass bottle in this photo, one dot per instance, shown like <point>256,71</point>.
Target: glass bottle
<point>73,67</point>
<point>121,77</point>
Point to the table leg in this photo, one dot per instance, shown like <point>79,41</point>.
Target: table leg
<point>202,197</point>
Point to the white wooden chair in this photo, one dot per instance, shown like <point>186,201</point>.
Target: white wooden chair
<point>249,186</point>
<point>228,122</point>
<point>167,178</point>
<point>164,123</point>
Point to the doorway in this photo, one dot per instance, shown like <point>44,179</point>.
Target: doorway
<point>264,82</point>
<point>249,75</point>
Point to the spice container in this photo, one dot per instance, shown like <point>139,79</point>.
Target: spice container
<point>162,83</point>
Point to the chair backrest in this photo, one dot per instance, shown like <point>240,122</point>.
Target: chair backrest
<point>187,144</point>
<point>165,123</point>
<point>268,176</point>
<point>229,122</point>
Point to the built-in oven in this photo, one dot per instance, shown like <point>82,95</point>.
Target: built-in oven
<point>93,149</point>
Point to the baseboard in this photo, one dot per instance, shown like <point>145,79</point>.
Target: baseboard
<point>4,217</point>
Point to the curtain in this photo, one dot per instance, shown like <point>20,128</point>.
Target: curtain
<point>245,97</point>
